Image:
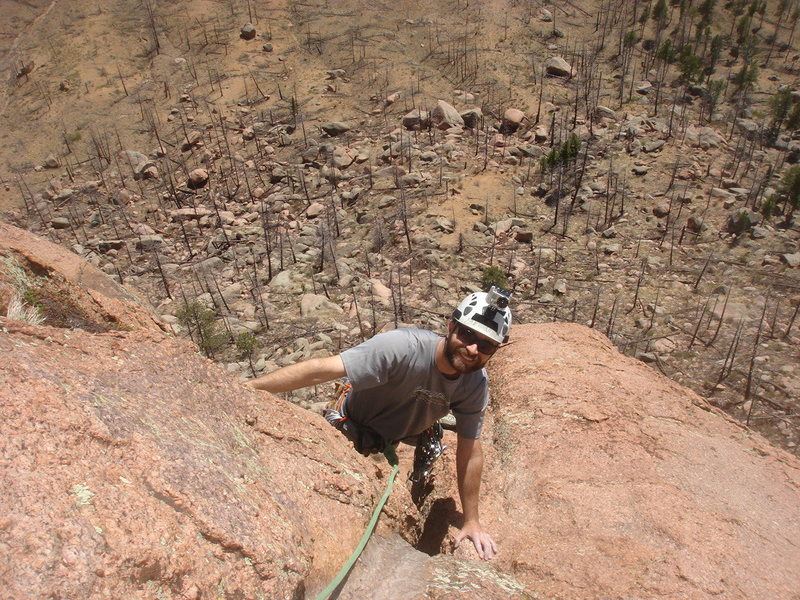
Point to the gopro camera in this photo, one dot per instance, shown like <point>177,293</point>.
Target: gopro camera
<point>498,298</point>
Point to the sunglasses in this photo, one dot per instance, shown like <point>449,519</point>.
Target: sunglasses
<point>469,337</point>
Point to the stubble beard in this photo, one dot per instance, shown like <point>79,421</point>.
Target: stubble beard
<point>455,359</point>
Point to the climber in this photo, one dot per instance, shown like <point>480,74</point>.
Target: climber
<point>400,383</point>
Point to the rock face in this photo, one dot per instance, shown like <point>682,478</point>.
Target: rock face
<point>603,479</point>
<point>89,299</point>
<point>607,480</point>
<point>390,568</point>
<point>130,463</point>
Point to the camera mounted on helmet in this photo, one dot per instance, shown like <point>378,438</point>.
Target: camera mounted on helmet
<point>486,313</point>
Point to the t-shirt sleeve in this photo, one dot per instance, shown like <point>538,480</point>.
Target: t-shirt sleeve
<point>470,410</point>
<point>373,362</point>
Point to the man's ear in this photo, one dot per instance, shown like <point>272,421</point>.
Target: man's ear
<point>451,325</point>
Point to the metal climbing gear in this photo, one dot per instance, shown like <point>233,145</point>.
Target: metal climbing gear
<point>429,448</point>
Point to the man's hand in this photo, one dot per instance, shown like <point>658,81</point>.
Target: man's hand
<point>469,465</point>
<point>484,544</point>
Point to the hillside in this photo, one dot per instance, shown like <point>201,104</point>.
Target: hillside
<point>285,192</point>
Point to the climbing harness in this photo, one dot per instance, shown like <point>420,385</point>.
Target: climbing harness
<point>391,456</point>
<point>365,440</point>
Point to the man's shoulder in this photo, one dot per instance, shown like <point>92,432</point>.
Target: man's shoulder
<point>421,334</point>
<point>399,342</point>
<point>407,335</point>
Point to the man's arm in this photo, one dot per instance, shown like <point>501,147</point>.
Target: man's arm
<point>469,466</point>
<point>302,374</point>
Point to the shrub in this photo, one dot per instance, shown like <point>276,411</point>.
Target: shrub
<point>19,311</point>
<point>246,345</point>
<point>203,327</point>
<point>493,276</point>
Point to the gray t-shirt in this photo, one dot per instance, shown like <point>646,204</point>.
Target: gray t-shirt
<point>398,391</point>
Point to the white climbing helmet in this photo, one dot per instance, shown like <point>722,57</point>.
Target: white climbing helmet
<point>487,313</point>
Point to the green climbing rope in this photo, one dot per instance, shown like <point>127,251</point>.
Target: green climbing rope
<point>391,456</point>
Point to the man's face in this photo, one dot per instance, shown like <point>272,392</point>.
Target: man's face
<point>463,347</point>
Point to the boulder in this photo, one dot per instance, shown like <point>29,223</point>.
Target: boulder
<point>791,259</point>
<point>703,137</point>
<point>558,67</point>
<point>342,157</point>
<point>653,146</point>
<point>335,128</point>
<point>417,119</point>
<point>193,139</point>
<point>189,214</point>
<point>316,306</point>
<point>603,112</point>
<point>149,243</point>
<point>524,236</point>
<point>661,209</point>
<point>695,224</point>
<point>247,32</point>
<point>501,226</point>
<point>141,165</point>
<point>741,220</point>
<point>445,116</point>
<point>512,118</point>
<point>197,178</point>
<point>108,245</point>
<point>315,209</point>
<point>60,223</point>
<point>444,225</point>
<point>472,118</point>
<point>284,282</point>
<point>748,127</point>
<point>380,292</point>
